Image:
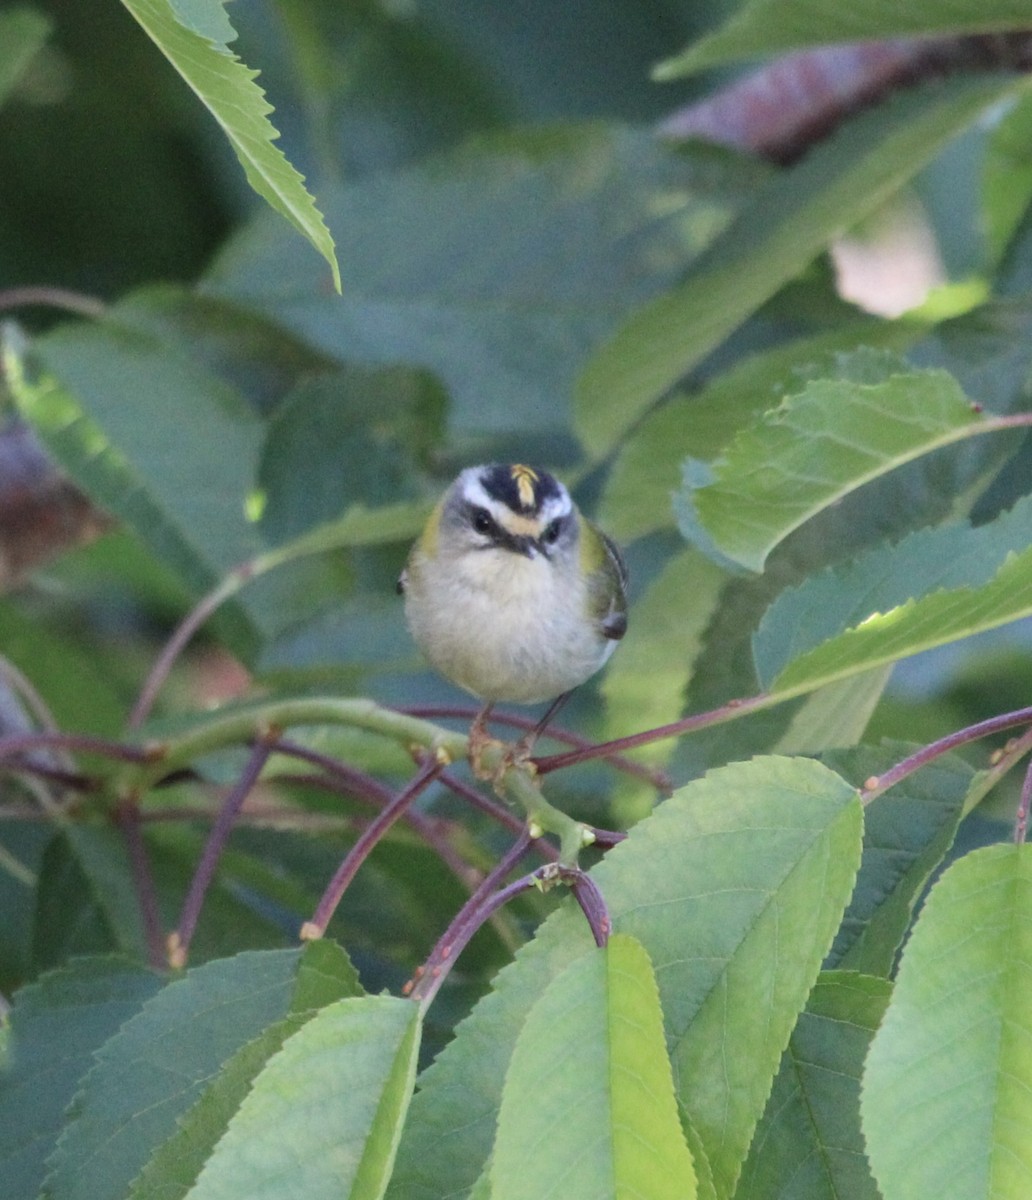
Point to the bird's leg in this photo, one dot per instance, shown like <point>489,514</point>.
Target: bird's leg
<point>523,748</point>
<point>479,740</point>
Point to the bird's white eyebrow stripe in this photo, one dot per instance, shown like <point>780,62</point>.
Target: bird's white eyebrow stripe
<point>474,492</point>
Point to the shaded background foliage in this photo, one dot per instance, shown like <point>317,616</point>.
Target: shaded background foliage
<point>529,272</point>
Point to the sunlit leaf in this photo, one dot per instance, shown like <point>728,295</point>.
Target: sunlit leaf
<point>589,1089</point>
<point>734,887</point>
<point>947,1090</point>
<point>933,620</point>
<point>336,1096</point>
<point>813,449</point>
<point>189,33</point>
<point>647,469</point>
<point>928,564</point>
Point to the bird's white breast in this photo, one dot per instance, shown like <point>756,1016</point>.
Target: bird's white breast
<point>504,626</point>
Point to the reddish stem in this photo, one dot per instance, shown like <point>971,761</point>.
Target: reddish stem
<point>784,107</point>
<point>22,743</point>
<point>179,940</point>
<point>876,785</point>
<point>182,634</point>
<point>716,716</point>
<point>428,979</point>
<point>1021,821</point>
<point>52,297</point>
<point>593,905</point>
<point>430,976</point>
<point>360,851</point>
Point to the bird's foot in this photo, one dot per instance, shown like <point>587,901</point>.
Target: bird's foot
<point>480,741</point>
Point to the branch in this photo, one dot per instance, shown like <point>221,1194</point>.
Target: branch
<point>877,784</point>
<point>360,851</point>
<point>428,978</point>
<point>782,109</point>
<point>716,716</point>
<point>436,712</point>
<point>179,939</point>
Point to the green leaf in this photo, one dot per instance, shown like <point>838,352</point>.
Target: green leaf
<point>87,902</point>
<point>497,266</point>
<point>735,887</point>
<point>1007,176</point>
<point>834,716</point>
<point>809,1145</point>
<point>109,407</point>
<point>73,679</point>
<point>947,1091</point>
<point>647,470</point>
<point>161,1062</point>
<point>762,28</point>
<point>926,564</point>
<point>323,975</point>
<point>176,1164</point>
<point>933,620</point>
<point>645,683</point>
<point>786,225</point>
<point>588,1105</point>
<point>55,1026</point>
<point>812,450</point>
<point>907,833</point>
<point>336,1097</point>
<point>23,32</point>
<point>228,90</point>
<point>380,423</point>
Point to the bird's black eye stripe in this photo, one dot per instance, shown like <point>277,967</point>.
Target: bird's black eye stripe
<point>552,531</point>
<point>483,522</point>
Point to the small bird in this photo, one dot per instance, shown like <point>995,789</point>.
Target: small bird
<point>511,592</point>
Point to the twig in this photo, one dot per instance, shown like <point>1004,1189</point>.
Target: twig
<point>593,905</point>
<point>430,768</point>
<point>179,939</point>
<point>878,784</point>
<point>435,712</point>
<point>428,978</point>
<point>428,981</point>
<point>426,828</point>
<point>716,716</point>
<point>780,110</point>
<point>429,984</point>
<point>22,743</point>
<point>52,297</point>
<point>181,636</point>
<point>1021,821</point>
